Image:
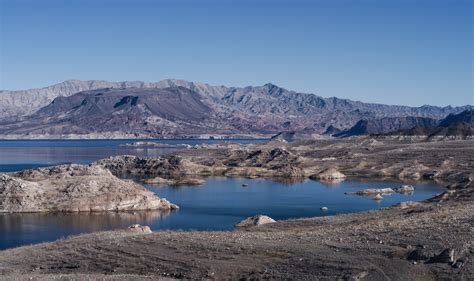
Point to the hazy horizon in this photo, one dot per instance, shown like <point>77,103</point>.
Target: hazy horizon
<point>390,52</point>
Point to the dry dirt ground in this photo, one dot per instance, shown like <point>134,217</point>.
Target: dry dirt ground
<point>432,240</point>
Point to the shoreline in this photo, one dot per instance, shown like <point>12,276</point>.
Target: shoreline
<point>131,138</point>
<point>431,239</point>
<point>367,243</point>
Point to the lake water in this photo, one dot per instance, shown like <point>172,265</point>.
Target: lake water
<point>25,154</point>
<point>218,204</point>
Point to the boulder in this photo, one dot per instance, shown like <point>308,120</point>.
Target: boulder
<point>388,190</point>
<point>404,189</point>
<point>255,221</point>
<point>372,191</point>
<point>139,228</point>
<point>420,254</point>
<point>446,256</point>
<point>377,197</point>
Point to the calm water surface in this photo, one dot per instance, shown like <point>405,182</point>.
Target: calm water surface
<point>26,154</point>
<point>217,205</point>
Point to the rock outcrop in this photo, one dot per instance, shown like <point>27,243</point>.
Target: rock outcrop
<point>404,188</point>
<point>388,190</point>
<point>255,221</point>
<point>74,188</point>
<point>139,228</point>
<point>262,162</point>
<point>177,182</point>
<point>135,165</point>
<point>377,197</point>
<point>328,174</point>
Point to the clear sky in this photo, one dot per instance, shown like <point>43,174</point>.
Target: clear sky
<point>385,51</point>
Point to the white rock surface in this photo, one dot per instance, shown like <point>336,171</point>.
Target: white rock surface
<point>329,174</point>
<point>74,188</point>
<point>255,221</point>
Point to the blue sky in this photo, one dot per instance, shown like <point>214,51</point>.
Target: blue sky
<point>385,51</point>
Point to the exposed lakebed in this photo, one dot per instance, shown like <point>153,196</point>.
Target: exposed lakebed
<point>218,204</point>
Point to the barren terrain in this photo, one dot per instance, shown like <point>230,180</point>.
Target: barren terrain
<point>431,240</point>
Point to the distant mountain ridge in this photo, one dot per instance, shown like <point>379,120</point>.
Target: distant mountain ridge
<point>386,125</point>
<point>25,102</point>
<point>177,107</point>
<point>459,125</point>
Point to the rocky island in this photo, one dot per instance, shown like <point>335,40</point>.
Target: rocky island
<point>74,188</point>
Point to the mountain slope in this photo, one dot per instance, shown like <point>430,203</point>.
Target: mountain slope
<point>466,116</point>
<point>15,104</point>
<point>132,107</point>
<point>155,111</point>
<point>385,125</point>
<point>454,125</point>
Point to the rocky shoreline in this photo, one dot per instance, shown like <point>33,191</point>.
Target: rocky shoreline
<point>429,240</point>
<point>406,160</point>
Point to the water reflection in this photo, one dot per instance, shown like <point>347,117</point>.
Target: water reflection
<point>55,155</point>
<point>331,183</point>
<point>50,152</point>
<point>20,229</point>
<point>84,221</point>
<point>289,181</point>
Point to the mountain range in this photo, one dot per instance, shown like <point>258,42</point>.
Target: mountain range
<point>456,126</point>
<point>172,108</point>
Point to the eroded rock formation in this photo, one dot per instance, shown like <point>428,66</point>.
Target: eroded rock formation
<point>74,188</point>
